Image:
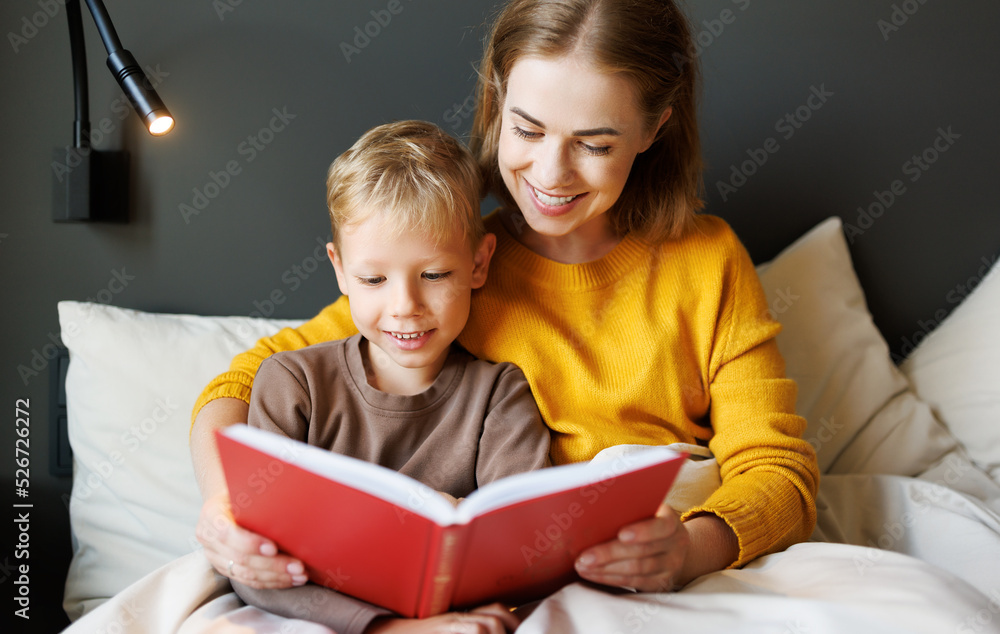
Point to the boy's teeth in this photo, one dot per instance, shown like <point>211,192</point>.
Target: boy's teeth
<point>552,200</point>
<point>412,335</point>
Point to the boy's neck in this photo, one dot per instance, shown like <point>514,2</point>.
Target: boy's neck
<point>385,375</point>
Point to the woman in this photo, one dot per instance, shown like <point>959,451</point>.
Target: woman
<point>634,319</point>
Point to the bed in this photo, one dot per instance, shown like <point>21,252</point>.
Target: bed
<point>908,535</point>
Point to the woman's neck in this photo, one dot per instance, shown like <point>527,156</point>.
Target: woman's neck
<point>587,243</point>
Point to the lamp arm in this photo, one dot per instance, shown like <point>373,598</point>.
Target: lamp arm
<point>104,26</point>
<point>81,122</point>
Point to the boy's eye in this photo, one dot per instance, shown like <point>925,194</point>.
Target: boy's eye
<point>435,276</point>
<point>373,280</point>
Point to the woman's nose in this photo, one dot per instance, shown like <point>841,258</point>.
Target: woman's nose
<point>554,167</point>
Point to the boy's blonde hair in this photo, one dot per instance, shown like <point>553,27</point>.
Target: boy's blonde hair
<point>411,176</point>
<point>646,41</point>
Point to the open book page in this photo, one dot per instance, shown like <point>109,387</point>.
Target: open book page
<point>373,479</point>
<point>536,484</point>
<point>417,498</point>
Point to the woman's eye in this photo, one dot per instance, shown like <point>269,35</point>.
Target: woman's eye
<point>596,150</point>
<point>524,134</point>
<point>434,277</point>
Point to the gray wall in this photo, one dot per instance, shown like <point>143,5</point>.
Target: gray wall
<point>891,74</point>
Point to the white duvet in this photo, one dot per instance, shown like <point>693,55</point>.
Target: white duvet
<point>914,555</point>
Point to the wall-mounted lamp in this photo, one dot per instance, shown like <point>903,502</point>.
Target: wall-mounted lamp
<point>93,185</point>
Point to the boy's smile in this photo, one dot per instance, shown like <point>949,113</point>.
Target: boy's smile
<point>409,297</point>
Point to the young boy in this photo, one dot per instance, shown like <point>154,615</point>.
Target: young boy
<point>409,247</point>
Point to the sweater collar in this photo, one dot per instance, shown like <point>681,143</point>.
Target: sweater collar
<point>535,269</point>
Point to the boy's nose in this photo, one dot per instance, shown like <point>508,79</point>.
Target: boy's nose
<point>405,301</point>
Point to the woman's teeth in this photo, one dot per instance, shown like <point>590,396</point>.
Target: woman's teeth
<point>553,201</point>
<point>411,335</point>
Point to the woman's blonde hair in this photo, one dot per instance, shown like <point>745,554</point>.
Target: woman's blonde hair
<point>648,42</point>
<point>411,176</point>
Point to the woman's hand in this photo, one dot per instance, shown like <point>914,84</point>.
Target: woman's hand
<point>242,555</point>
<point>647,556</point>
<point>488,619</point>
<point>661,554</point>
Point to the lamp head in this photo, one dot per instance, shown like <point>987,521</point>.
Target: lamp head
<point>140,92</point>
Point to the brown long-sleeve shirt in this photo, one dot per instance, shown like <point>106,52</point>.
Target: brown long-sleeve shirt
<point>476,423</point>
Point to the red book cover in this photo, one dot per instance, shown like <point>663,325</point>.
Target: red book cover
<point>385,538</point>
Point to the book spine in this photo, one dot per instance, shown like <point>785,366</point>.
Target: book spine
<point>442,569</point>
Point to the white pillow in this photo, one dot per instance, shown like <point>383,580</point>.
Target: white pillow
<point>131,385</point>
<point>862,416</point>
<point>954,368</point>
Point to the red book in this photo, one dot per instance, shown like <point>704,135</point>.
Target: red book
<point>385,538</point>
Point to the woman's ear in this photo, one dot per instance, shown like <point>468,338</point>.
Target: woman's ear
<point>481,259</point>
<point>659,126</point>
<point>338,267</point>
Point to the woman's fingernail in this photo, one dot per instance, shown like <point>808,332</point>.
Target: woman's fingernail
<point>626,535</point>
<point>295,568</point>
<point>586,560</point>
<point>299,580</point>
<point>268,550</point>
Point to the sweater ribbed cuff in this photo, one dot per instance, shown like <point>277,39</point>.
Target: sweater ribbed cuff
<point>226,385</point>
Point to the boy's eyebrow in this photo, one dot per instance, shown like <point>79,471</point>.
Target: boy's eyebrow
<point>589,132</point>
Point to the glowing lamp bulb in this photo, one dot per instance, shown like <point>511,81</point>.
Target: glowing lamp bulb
<point>161,125</point>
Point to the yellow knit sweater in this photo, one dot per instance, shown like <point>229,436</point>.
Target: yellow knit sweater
<point>651,344</point>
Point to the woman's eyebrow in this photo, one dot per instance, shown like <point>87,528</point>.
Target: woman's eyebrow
<point>590,132</point>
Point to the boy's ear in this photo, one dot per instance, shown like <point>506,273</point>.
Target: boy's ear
<point>481,259</point>
<point>338,267</point>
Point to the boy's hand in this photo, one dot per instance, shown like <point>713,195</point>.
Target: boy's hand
<point>255,559</point>
<point>488,619</point>
<point>451,498</point>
